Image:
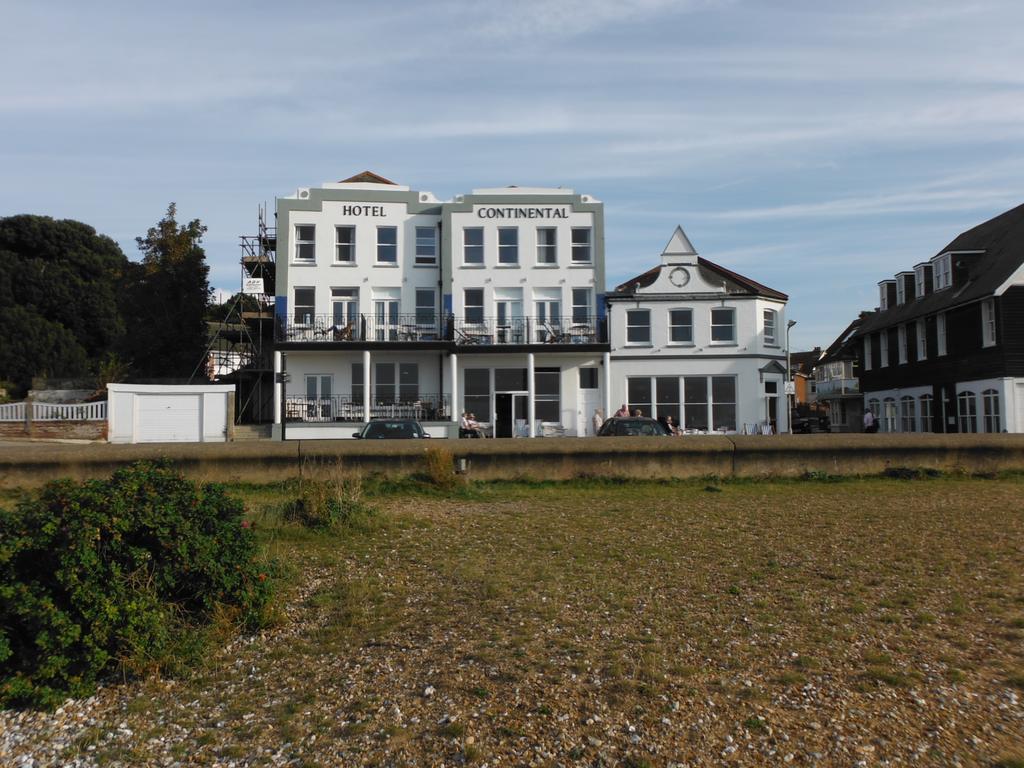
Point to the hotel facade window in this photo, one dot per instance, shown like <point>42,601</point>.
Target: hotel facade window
<point>473,245</point>
<point>940,334</point>
<point>474,305</point>
<point>770,325</point>
<point>581,309</point>
<point>680,326</point>
<point>988,323</point>
<point>345,245</point>
<point>305,306</point>
<point>581,245</point>
<point>901,339</point>
<point>638,326</point>
<point>344,307</point>
<point>883,349</point>
<point>723,325</point>
<point>305,243</point>
<point>547,245</point>
<point>547,398</point>
<point>990,404</point>
<point>922,340</point>
<point>425,307</point>
<point>387,245</point>
<point>508,245</point>
<point>867,353</point>
<point>426,245</point>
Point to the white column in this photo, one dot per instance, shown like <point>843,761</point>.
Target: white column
<point>531,408</point>
<point>607,383</point>
<point>453,376</point>
<point>277,387</point>
<point>366,385</point>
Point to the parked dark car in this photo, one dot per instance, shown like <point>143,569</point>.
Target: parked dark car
<point>620,426</point>
<point>391,429</point>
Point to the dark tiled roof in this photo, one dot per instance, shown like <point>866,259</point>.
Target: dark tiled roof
<point>1001,241</point>
<point>366,177</point>
<point>841,348</point>
<point>736,283</point>
<point>805,361</point>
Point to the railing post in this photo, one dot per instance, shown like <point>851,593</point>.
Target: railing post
<point>29,407</point>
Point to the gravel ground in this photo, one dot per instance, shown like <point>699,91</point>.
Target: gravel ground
<point>745,627</point>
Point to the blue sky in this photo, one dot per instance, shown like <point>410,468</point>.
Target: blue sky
<point>815,147</point>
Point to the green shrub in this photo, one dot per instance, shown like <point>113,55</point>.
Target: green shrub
<point>330,504</point>
<point>121,573</point>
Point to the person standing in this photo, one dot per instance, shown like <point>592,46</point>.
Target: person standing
<point>623,411</point>
<point>870,422</point>
<point>597,420</point>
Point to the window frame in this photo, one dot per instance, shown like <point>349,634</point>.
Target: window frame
<point>475,248</point>
<point>420,308</point>
<point>901,344</point>
<point>673,326</point>
<point>301,243</point>
<point>424,259</point>
<point>477,317</point>
<point>867,352</point>
<point>311,316</point>
<point>908,415</point>
<point>508,252</point>
<point>925,412</point>
<point>773,339</point>
<point>990,412</point>
<point>384,247</point>
<point>967,412</point>
<point>883,348</point>
<point>339,244</point>
<point>577,317</point>
<point>942,272</point>
<point>549,248</point>
<point>941,347</point>
<point>731,325</point>
<point>634,327</point>
<point>988,323</point>
<point>584,247</point>
<point>922,339</point>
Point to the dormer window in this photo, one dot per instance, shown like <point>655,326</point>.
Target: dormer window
<point>901,292</point>
<point>919,280</point>
<point>883,297</point>
<point>942,272</point>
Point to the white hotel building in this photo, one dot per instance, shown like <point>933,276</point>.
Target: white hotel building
<point>391,302</point>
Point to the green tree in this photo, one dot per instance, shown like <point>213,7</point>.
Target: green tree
<point>59,284</point>
<point>165,300</point>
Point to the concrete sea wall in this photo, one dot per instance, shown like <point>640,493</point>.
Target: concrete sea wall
<point>30,464</point>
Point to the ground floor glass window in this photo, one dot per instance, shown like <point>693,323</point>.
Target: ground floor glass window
<point>967,410</point>
<point>990,402</point>
<point>925,407</point>
<point>908,417</point>
<point>695,402</point>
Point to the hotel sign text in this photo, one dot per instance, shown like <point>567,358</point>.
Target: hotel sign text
<point>514,212</point>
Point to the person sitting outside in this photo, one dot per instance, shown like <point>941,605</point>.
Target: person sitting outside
<point>468,426</point>
<point>623,412</point>
<point>637,413</point>
<point>673,428</point>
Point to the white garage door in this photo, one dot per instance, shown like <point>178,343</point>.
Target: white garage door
<point>164,418</point>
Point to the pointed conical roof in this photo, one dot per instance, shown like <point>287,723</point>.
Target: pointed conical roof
<point>679,245</point>
<point>366,177</point>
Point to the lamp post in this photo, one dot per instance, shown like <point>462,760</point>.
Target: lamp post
<point>789,381</point>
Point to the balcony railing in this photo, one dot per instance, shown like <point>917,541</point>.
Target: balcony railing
<point>425,407</point>
<point>360,328</point>
<point>529,330</point>
<point>431,328</point>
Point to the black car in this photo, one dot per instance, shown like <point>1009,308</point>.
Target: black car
<point>620,426</point>
<point>391,429</point>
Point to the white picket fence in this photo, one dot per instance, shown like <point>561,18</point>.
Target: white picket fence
<point>56,411</point>
<point>12,412</point>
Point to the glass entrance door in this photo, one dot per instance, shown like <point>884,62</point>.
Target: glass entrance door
<point>511,414</point>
